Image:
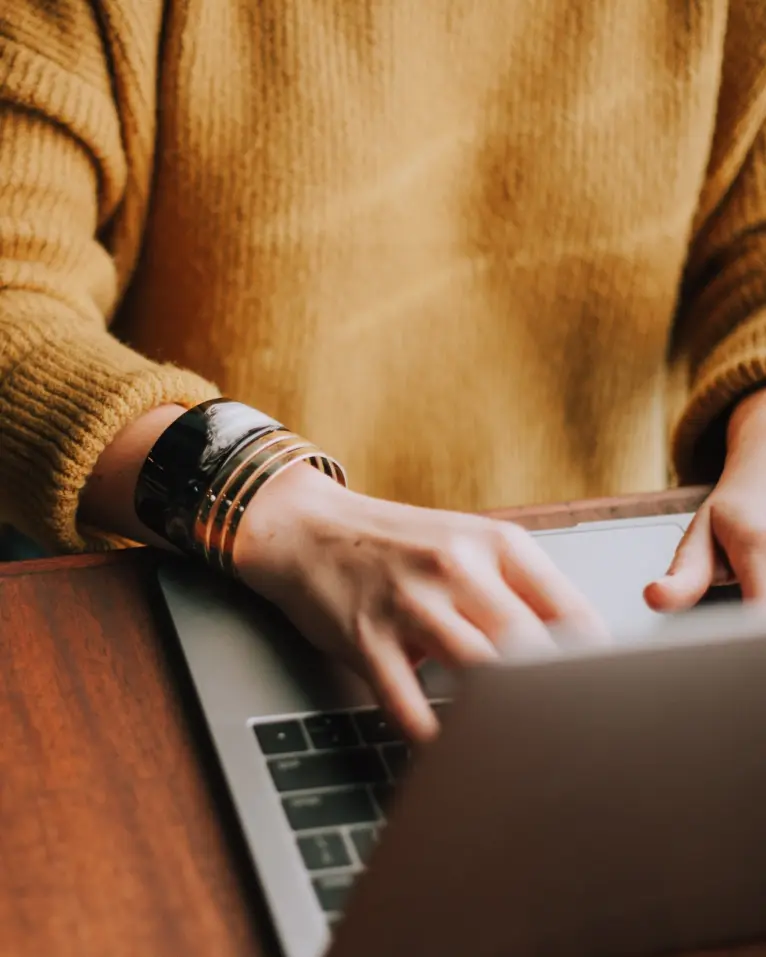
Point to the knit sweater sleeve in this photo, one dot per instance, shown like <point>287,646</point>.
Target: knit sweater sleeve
<point>721,326</point>
<point>67,386</point>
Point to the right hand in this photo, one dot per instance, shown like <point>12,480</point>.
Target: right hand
<point>382,585</point>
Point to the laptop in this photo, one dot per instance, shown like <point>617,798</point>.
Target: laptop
<point>594,805</point>
<point>311,763</point>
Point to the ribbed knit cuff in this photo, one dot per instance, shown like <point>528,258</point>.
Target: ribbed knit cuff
<point>60,409</point>
<point>733,370</point>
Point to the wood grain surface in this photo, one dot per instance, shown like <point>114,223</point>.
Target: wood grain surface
<point>116,836</point>
<point>110,843</point>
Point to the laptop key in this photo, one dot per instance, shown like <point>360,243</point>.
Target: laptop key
<point>397,758</point>
<point>280,737</point>
<point>375,728</point>
<point>328,731</point>
<point>329,809</point>
<point>331,769</point>
<point>332,890</point>
<point>324,850</point>
<point>364,840</point>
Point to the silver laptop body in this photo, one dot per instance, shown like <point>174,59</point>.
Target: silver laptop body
<point>622,815</point>
<point>308,759</point>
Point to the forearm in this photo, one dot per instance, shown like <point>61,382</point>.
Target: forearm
<point>107,501</point>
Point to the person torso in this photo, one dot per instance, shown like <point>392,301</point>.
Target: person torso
<point>442,238</point>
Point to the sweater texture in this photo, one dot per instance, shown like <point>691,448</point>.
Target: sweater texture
<point>485,252</point>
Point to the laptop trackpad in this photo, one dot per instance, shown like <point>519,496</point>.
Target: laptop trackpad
<point>612,566</point>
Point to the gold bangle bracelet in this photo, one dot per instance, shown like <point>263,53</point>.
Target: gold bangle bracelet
<point>230,467</point>
<point>240,478</point>
<point>233,474</point>
<point>218,527</point>
<point>310,452</point>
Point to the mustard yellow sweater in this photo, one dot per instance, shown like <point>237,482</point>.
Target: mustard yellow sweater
<point>483,251</point>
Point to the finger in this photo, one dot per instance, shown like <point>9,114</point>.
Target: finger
<point>397,688</point>
<point>487,605</point>
<point>546,590</point>
<point>749,565</point>
<point>448,637</point>
<point>488,620</point>
<point>525,637</point>
<point>427,622</point>
<point>454,641</point>
<point>691,572</point>
<point>513,630</point>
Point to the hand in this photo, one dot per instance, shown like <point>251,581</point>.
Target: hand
<point>727,538</point>
<point>382,585</point>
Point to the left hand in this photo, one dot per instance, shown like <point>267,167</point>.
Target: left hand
<point>727,538</point>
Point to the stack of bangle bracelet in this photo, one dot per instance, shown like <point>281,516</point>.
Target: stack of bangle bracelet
<point>206,468</point>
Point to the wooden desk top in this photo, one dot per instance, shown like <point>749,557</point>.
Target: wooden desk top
<point>116,837</point>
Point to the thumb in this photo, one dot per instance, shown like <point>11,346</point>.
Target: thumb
<point>691,572</point>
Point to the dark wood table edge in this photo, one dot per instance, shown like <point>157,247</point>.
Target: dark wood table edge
<point>674,501</point>
<point>40,566</point>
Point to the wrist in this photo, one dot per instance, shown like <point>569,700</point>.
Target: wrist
<point>747,422</point>
<point>224,462</point>
<point>276,524</point>
<point>107,501</point>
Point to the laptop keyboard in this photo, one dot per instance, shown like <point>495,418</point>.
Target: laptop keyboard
<point>335,773</point>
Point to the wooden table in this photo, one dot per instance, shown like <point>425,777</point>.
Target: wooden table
<point>116,836</point>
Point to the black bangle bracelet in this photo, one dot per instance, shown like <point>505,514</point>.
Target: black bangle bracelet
<point>180,467</point>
